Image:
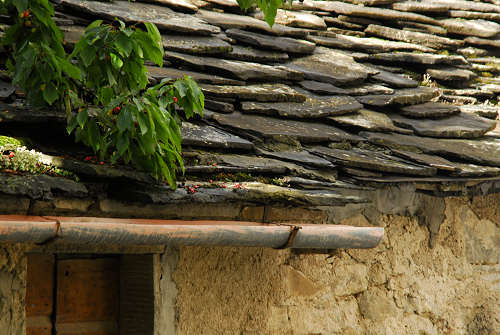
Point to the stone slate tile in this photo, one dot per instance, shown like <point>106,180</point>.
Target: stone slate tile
<point>283,44</point>
<point>471,52</point>
<point>371,2</point>
<point>469,5</point>
<point>336,22</point>
<point>421,7</point>
<point>472,170</point>
<point>475,15</point>
<point>394,80</point>
<point>332,67</point>
<point>185,6</point>
<point>262,93</point>
<point>364,44</point>
<point>478,28</point>
<point>253,192</point>
<point>202,135</point>
<point>6,89</point>
<point>198,45</point>
<point>231,5</point>
<point>234,21</point>
<point>428,40</point>
<point>434,161</point>
<point>486,60</point>
<point>421,28</point>
<point>219,106</point>
<point>482,42</point>
<point>359,20</point>
<point>457,126</point>
<point>295,19</point>
<point>299,157</point>
<point>408,96</point>
<point>470,92</point>
<point>237,69</point>
<point>282,130</point>
<point>429,110</point>
<point>369,12</point>
<point>457,99</point>
<point>415,58</point>
<point>40,186</point>
<point>72,34</point>
<point>372,160</point>
<point>311,108</point>
<point>19,112</point>
<point>318,185</point>
<point>163,17</point>
<point>252,164</point>
<point>249,54</point>
<point>490,112</point>
<point>482,152</point>
<point>328,89</point>
<point>450,74</point>
<point>160,73</point>
<point>368,120</point>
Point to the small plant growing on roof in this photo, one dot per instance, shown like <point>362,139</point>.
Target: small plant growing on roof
<point>102,86</point>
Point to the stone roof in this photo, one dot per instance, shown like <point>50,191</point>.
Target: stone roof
<point>336,96</point>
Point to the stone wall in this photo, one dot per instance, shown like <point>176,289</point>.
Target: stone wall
<point>404,286</point>
<point>437,271</point>
<point>12,290</point>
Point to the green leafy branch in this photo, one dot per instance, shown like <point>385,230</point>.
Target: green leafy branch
<point>102,86</point>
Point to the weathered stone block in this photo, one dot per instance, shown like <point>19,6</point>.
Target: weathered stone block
<point>295,214</point>
<point>375,304</point>
<point>252,213</point>
<point>14,205</point>
<point>298,284</point>
<point>350,279</point>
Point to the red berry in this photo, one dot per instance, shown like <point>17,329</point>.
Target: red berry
<point>175,99</point>
<point>102,163</point>
<point>210,181</point>
<point>11,155</point>
<point>88,158</point>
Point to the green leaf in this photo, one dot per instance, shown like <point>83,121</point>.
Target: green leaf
<point>95,24</point>
<point>70,69</point>
<point>246,4</point>
<point>87,55</point>
<point>124,120</point>
<point>116,61</point>
<point>153,32</point>
<point>50,93</point>
<point>122,143</point>
<point>124,45</point>
<point>152,51</point>
<point>181,88</point>
<point>73,122</point>
<point>143,126</point>
<point>94,135</point>
<point>82,117</point>
<point>269,8</point>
